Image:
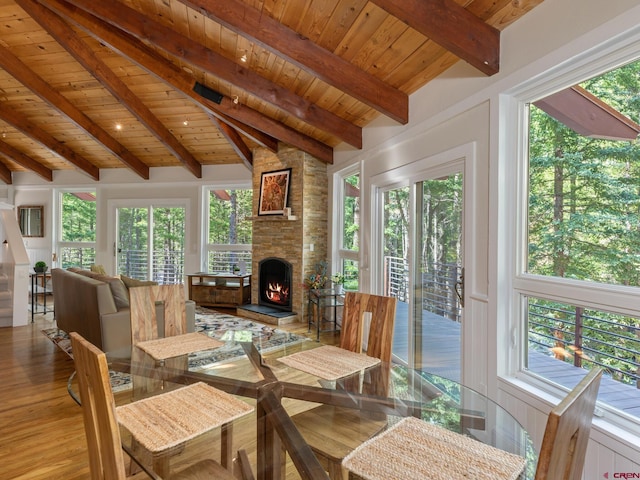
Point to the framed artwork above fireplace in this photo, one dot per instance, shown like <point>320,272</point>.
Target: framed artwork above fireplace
<point>274,192</point>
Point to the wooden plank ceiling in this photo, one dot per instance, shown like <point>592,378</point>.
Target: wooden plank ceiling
<point>91,85</point>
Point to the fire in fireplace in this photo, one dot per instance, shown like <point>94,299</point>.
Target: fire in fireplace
<point>275,283</point>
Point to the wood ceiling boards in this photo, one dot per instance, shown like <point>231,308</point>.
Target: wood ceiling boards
<point>94,85</point>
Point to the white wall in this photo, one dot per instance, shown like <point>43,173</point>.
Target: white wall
<point>462,105</point>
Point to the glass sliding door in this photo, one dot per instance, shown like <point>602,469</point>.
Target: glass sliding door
<point>422,267</point>
<point>150,243</point>
<point>395,263</point>
<point>438,276</point>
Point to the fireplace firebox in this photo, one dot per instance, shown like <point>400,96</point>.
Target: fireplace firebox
<point>275,284</point>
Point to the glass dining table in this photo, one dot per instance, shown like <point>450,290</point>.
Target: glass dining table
<point>456,426</point>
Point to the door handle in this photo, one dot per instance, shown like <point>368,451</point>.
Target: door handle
<point>459,288</point>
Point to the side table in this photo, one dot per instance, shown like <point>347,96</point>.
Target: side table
<point>39,286</point>
<point>329,300</point>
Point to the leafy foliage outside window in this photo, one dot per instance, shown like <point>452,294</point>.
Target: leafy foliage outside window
<point>230,229</point>
<point>584,224</point>
<point>78,217</point>
<point>78,229</point>
<point>350,232</point>
<point>584,193</point>
<point>351,213</point>
<point>229,211</point>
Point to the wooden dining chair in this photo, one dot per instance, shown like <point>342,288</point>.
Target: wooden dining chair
<point>106,457</point>
<point>564,445</point>
<point>144,327</point>
<point>328,429</point>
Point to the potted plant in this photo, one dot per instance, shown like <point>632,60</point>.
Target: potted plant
<point>338,282</point>
<point>40,267</point>
<point>318,278</point>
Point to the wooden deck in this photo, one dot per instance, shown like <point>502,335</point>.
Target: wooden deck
<point>441,356</point>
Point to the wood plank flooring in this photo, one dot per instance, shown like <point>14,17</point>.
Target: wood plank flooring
<point>41,429</point>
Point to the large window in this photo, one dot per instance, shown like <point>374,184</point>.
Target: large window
<point>77,232</point>
<point>581,263</point>
<point>348,227</point>
<point>230,230</point>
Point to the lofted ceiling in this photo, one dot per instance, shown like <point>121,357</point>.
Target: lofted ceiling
<point>91,85</point>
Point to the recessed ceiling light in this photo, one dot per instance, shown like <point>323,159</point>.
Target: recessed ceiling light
<point>118,126</point>
<point>243,58</point>
<point>186,122</point>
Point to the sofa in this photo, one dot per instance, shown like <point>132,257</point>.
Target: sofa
<point>97,307</point>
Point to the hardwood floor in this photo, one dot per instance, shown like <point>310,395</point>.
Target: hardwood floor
<point>41,429</point>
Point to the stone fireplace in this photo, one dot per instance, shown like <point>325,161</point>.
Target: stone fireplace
<point>300,240</point>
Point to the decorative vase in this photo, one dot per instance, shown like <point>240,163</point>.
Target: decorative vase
<point>40,269</point>
<point>339,288</point>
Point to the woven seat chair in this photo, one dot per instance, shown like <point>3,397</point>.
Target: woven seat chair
<point>144,327</point>
<point>564,445</point>
<point>106,458</point>
<point>328,449</point>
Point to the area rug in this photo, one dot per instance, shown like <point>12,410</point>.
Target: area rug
<point>225,327</point>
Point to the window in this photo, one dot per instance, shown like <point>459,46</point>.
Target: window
<point>77,238</point>
<point>581,260</point>
<point>230,230</point>
<point>150,241</point>
<point>348,227</point>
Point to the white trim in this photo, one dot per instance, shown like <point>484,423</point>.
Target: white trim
<point>462,158</point>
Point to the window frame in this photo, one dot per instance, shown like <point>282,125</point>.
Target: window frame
<point>340,253</point>
<point>220,247</point>
<point>511,223</point>
<point>59,244</point>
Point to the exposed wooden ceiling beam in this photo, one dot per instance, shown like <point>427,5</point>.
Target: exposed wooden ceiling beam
<point>26,161</point>
<point>254,134</point>
<point>234,138</point>
<point>20,122</point>
<point>453,27</point>
<point>5,174</point>
<point>63,33</point>
<point>289,44</point>
<point>140,54</point>
<point>179,46</point>
<point>36,84</point>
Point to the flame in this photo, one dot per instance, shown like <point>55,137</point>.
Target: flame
<point>276,292</point>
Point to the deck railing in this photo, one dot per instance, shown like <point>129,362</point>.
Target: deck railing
<point>82,257</point>
<point>168,265</point>
<point>437,286</point>
<point>224,261</point>
<point>587,338</point>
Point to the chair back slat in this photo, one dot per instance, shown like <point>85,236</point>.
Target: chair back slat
<point>144,323</point>
<point>106,460</point>
<point>383,314</point>
<point>564,445</point>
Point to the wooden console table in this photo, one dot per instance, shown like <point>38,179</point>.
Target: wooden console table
<point>219,290</point>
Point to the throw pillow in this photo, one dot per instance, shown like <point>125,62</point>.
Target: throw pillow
<point>98,269</point>
<point>134,282</point>
<point>119,291</point>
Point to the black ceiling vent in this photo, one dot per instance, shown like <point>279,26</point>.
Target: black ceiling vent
<point>208,93</point>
